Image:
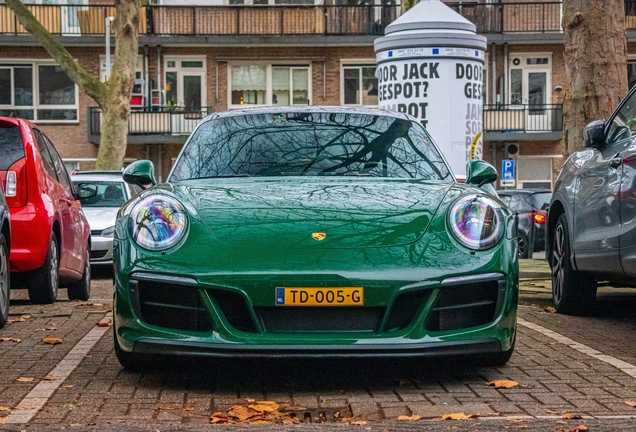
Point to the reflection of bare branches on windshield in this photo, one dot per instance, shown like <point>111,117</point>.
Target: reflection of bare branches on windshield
<point>310,143</point>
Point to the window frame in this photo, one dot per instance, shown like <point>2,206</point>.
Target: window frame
<point>355,64</point>
<point>269,65</point>
<point>189,71</point>
<point>35,81</point>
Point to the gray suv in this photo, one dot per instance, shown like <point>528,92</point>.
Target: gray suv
<point>592,216</point>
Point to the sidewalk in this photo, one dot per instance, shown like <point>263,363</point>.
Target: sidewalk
<point>534,269</point>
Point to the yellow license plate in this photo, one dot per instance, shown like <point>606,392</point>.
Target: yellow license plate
<point>350,296</point>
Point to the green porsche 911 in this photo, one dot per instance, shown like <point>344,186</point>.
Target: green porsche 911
<point>314,232</point>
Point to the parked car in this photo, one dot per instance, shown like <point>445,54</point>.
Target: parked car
<point>531,205</point>
<point>592,217</point>
<point>50,236</point>
<point>101,210</point>
<point>5,243</point>
<point>306,231</point>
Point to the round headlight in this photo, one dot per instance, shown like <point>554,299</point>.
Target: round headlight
<point>158,222</point>
<point>475,221</point>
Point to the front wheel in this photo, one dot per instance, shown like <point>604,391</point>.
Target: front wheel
<point>5,281</point>
<point>43,282</point>
<point>573,292</point>
<point>522,245</point>
<point>81,290</point>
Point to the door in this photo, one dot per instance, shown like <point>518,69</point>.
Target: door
<point>597,206</point>
<point>530,91</point>
<point>72,222</point>
<point>625,124</point>
<point>185,93</point>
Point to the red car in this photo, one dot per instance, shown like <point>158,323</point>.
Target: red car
<point>50,237</point>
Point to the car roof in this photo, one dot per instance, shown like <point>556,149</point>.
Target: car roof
<point>306,109</point>
<point>98,176</point>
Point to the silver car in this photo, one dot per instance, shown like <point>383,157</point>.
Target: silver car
<point>101,210</point>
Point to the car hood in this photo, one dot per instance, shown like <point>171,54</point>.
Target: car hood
<point>290,213</point>
<point>100,218</point>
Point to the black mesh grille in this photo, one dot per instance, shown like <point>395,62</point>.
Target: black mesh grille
<point>97,254</point>
<point>324,319</point>
<point>464,306</point>
<point>404,309</point>
<point>173,306</point>
<point>235,309</point>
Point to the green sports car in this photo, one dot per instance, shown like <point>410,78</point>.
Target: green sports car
<point>314,232</point>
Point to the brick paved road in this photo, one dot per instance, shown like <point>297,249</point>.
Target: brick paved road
<point>554,378</point>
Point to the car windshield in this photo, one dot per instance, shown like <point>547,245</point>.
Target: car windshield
<point>541,201</point>
<point>310,144</point>
<point>109,194</point>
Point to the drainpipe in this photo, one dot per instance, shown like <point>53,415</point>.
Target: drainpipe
<point>108,21</point>
<point>147,78</point>
<point>505,80</point>
<point>159,87</point>
<point>494,74</point>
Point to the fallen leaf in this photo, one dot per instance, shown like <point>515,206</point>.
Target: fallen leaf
<point>631,403</point>
<point>291,420</point>
<point>2,420</point>
<point>514,420</point>
<point>552,411</point>
<point>456,416</point>
<point>553,343</point>
<point>24,379</point>
<point>264,406</point>
<point>4,408</point>
<point>409,418</point>
<point>219,418</point>
<point>188,409</point>
<point>242,413</point>
<point>503,384</point>
<point>68,386</point>
<point>6,339</point>
<point>358,423</point>
<point>572,416</point>
<point>550,309</point>
<point>336,414</point>
<point>52,341</point>
<point>49,378</point>
<point>25,317</point>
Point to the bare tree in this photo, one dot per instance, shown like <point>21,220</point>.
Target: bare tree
<point>595,64</point>
<point>113,96</point>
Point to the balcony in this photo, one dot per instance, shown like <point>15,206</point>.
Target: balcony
<point>227,20</point>
<point>523,122</point>
<point>152,125</point>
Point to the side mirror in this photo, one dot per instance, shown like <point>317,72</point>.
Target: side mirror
<point>594,134</point>
<point>140,173</point>
<point>479,173</point>
<point>86,191</point>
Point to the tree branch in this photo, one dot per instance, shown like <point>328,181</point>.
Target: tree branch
<point>91,86</point>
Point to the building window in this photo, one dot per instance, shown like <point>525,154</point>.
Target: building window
<point>39,92</point>
<point>631,72</point>
<point>359,85</point>
<point>269,84</point>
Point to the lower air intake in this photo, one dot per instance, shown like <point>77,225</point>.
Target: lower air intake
<point>464,306</point>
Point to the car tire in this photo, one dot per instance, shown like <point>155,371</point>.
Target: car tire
<point>5,281</point>
<point>130,361</point>
<point>573,292</point>
<point>43,283</point>
<point>522,245</point>
<point>81,290</point>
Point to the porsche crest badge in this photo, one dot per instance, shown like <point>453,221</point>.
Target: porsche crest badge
<point>318,236</point>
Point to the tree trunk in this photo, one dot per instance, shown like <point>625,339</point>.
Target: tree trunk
<point>595,53</point>
<point>116,105</point>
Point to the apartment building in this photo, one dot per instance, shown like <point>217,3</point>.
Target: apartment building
<point>200,56</point>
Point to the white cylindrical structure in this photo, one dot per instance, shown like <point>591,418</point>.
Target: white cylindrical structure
<point>430,65</point>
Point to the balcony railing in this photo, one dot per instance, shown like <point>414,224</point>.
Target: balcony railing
<point>153,121</point>
<point>261,20</point>
<point>523,118</point>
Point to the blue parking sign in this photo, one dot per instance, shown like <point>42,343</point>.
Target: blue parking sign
<point>508,169</point>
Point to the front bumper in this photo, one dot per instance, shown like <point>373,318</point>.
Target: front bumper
<point>432,349</point>
<point>101,250</point>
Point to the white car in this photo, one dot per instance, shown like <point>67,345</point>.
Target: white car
<point>101,210</point>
